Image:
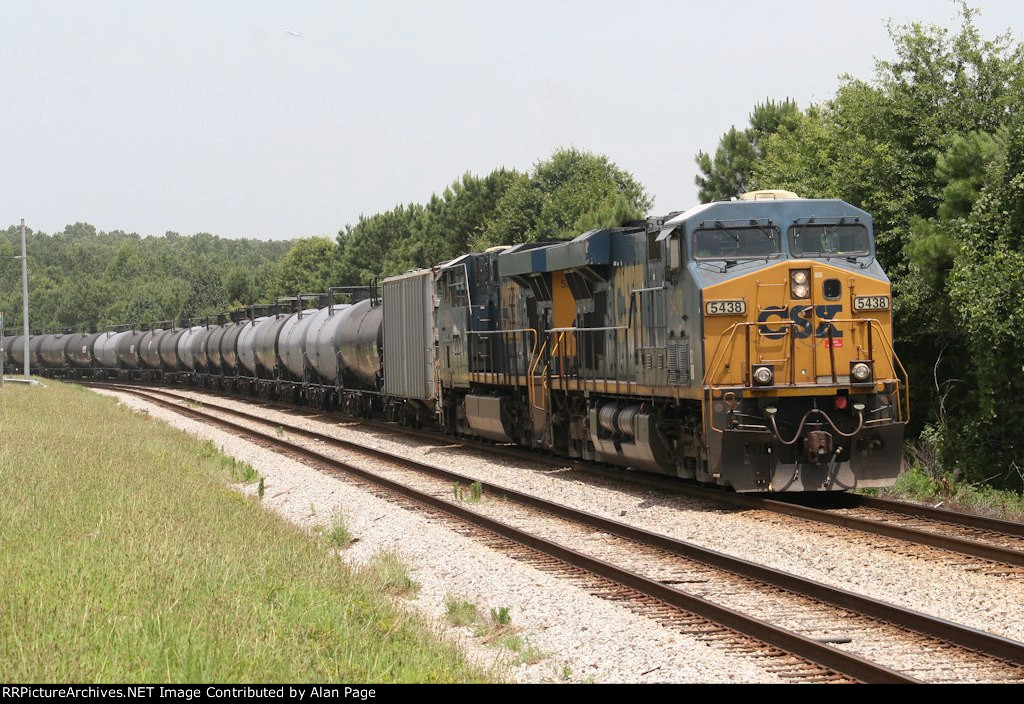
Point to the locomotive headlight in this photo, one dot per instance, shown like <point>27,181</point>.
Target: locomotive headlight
<point>763,376</point>
<point>860,371</point>
<point>798,283</point>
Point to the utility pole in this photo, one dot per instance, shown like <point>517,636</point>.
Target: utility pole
<point>24,298</point>
<point>3,351</point>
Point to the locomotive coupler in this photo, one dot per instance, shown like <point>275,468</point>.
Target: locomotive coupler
<point>818,446</point>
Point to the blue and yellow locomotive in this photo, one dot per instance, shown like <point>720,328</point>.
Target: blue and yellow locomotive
<point>745,343</point>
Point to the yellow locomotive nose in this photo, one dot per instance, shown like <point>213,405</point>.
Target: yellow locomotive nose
<point>806,321</point>
<point>802,386</point>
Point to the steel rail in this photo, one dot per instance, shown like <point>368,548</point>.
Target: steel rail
<point>950,543</point>
<point>836,660</point>
<point>790,507</point>
<point>942,515</point>
<point>947,631</point>
<point>795,507</point>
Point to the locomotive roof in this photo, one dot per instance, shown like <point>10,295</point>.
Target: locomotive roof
<point>786,210</point>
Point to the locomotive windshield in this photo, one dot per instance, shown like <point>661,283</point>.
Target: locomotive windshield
<point>817,240</point>
<point>748,242</point>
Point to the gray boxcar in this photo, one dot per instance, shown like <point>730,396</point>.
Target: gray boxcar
<point>408,335</point>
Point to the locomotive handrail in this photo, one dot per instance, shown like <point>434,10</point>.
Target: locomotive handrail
<point>534,363</point>
<point>893,358</point>
<point>616,327</point>
<point>902,390</point>
<point>725,344</point>
<point>533,351</point>
<point>561,332</point>
<point>547,366</point>
<point>906,377</point>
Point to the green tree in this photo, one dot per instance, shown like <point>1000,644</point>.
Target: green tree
<point>364,247</point>
<point>729,174</point>
<point>449,223</point>
<point>878,144</point>
<point>558,193</point>
<point>309,267</point>
<point>206,293</point>
<point>414,235</point>
<point>81,277</point>
<point>961,170</point>
<point>986,288</point>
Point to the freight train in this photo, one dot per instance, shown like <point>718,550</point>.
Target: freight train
<point>743,343</point>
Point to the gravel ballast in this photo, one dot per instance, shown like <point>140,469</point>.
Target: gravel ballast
<point>573,635</point>
<point>879,567</point>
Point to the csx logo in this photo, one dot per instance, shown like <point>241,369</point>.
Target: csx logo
<point>801,316</point>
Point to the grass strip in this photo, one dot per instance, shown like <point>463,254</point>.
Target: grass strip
<point>919,484</point>
<point>125,556</point>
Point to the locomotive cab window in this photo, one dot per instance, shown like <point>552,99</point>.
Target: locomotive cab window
<point>828,240</point>
<point>730,243</point>
<point>453,290</point>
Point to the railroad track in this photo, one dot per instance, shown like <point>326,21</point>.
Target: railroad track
<point>998,543</point>
<point>982,529</point>
<point>979,537</point>
<point>987,539</point>
<point>690,584</point>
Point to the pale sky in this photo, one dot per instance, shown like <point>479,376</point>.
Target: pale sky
<point>212,116</point>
